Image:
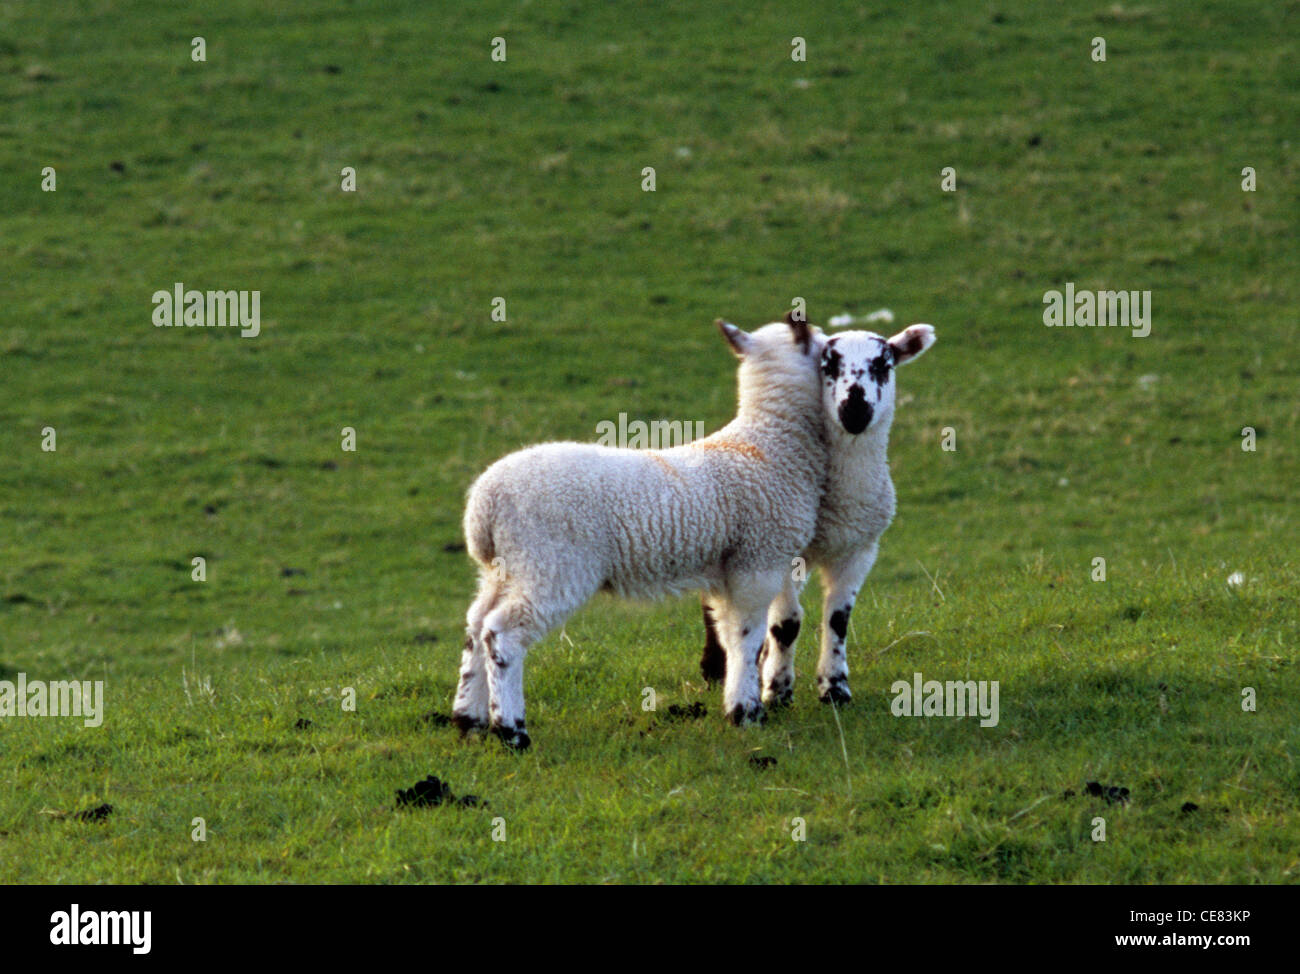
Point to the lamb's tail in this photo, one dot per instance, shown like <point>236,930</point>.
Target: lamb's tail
<point>478,525</point>
<point>843,321</point>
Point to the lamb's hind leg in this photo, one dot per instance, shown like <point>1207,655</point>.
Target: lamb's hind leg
<point>841,579</point>
<point>777,665</point>
<point>508,630</point>
<point>742,629</point>
<point>470,711</point>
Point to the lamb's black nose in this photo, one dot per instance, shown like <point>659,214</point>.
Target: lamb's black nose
<point>855,412</point>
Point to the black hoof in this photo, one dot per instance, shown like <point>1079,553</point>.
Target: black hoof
<point>467,724</point>
<point>741,715</point>
<point>837,692</point>
<point>778,696</point>
<point>515,738</point>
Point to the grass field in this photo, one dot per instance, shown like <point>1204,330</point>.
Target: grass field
<point>522,179</point>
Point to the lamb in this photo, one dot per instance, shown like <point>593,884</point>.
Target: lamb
<point>551,525</point>
<point>858,387</point>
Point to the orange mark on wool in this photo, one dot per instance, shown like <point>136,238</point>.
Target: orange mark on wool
<point>666,465</point>
<point>746,449</point>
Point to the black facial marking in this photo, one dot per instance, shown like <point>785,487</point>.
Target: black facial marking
<point>787,632</point>
<point>879,367</point>
<point>831,362</point>
<point>855,412</point>
<point>840,621</point>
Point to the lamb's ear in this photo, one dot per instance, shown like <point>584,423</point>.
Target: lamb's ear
<point>739,341</point>
<point>911,342</point>
<point>799,325</point>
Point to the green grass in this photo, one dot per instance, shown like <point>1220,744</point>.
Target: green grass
<point>522,179</point>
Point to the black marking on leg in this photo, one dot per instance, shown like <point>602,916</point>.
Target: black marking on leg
<point>840,621</point>
<point>780,691</point>
<point>467,724</point>
<point>787,632</point>
<point>713,663</point>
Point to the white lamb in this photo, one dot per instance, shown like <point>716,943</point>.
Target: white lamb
<point>553,524</point>
<point>858,386</point>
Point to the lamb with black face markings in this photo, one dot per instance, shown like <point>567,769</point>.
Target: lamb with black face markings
<point>858,394</point>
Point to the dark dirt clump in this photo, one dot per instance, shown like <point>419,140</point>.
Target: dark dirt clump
<point>433,791</point>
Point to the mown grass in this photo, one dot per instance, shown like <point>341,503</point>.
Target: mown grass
<point>522,179</point>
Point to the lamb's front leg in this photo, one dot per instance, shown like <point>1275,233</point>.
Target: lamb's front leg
<point>742,628</point>
<point>713,661</point>
<point>841,580</point>
<point>777,665</point>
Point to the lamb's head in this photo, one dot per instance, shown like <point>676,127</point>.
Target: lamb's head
<point>858,376</point>
<point>778,362</point>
